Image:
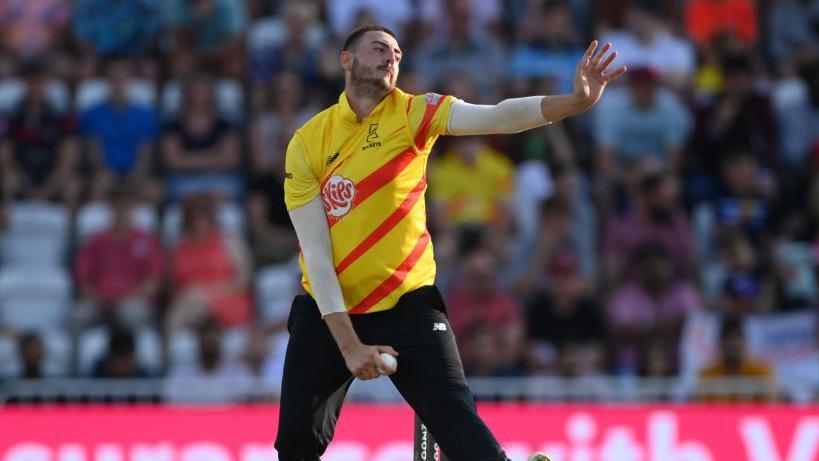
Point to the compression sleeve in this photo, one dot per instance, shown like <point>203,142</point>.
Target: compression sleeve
<point>508,116</point>
<point>313,233</point>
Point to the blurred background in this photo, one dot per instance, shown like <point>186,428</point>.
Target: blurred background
<point>662,247</point>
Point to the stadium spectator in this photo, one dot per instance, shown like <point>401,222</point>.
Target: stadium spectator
<point>31,354</point>
<point>737,282</point>
<point>471,184</point>
<point>658,359</point>
<point>286,43</point>
<point>477,299</point>
<point>119,270</point>
<point>39,153</point>
<point>655,217</point>
<point>121,136</point>
<point>564,312</point>
<point>553,242</point>
<point>272,236</point>
<point>200,150</point>
<point>121,28</point>
<point>549,46</point>
<point>462,50</point>
<point>734,362</point>
<point>571,186</point>
<point>654,301</point>
<point>792,33</point>
<point>647,41</point>
<point>342,16</point>
<point>647,127</point>
<point>740,115</point>
<point>207,33</point>
<point>210,271</point>
<point>213,376</point>
<point>710,21</point>
<point>33,28</point>
<point>120,361</point>
<point>743,200</point>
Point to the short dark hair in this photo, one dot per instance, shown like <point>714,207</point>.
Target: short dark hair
<point>355,36</point>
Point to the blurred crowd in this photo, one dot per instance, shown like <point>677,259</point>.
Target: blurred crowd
<point>155,132</point>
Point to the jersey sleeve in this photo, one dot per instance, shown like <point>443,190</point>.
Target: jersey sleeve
<point>301,184</point>
<point>429,116</point>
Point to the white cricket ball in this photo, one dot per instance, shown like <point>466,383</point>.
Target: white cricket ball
<point>387,364</point>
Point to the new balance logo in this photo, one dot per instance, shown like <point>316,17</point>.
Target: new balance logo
<point>331,158</point>
<point>439,326</point>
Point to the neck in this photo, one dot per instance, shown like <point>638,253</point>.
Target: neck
<point>363,97</point>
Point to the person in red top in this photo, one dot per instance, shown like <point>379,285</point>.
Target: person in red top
<point>477,300</point>
<point>709,20</point>
<point>118,270</point>
<point>210,271</point>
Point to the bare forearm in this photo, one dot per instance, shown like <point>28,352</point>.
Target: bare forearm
<point>561,106</point>
<point>341,327</point>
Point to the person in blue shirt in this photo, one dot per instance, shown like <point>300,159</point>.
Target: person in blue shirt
<point>116,27</point>
<point>120,137</point>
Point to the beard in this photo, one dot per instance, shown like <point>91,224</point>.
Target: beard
<point>370,81</point>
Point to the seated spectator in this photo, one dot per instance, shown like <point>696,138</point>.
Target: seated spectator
<point>288,42</point>
<point>740,115</point>
<point>647,127</point>
<point>32,352</point>
<point>120,361</point>
<point>124,27</point>
<point>482,357</point>
<point>477,298</point>
<point>462,50</point>
<point>272,236</point>
<point>792,32</point>
<point>121,136</point>
<point>572,188</point>
<point>743,201</point>
<point>341,16</point>
<point>119,270</point>
<point>709,21</point>
<point>647,41</point>
<point>38,152</point>
<point>584,383</point>
<point>471,184</point>
<point>734,362</point>
<point>550,46</point>
<point>200,151</point>
<point>654,302</point>
<point>210,271</point>
<point>655,217</point>
<point>213,377</point>
<point>32,28</point>
<point>205,33</point>
<point>555,243</point>
<point>564,312</point>
<point>658,359</point>
<point>738,283</point>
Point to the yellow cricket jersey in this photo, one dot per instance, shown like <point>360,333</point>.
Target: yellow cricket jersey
<point>372,178</point>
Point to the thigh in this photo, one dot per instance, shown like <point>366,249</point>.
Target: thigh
<point>314,383</point>
<point>430,377</point>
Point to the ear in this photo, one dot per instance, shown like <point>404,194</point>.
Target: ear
<point>346,59</point>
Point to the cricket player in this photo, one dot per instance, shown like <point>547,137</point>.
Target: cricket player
<point>354,187</point>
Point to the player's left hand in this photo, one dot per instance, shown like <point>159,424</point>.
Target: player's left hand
<point>591,78</point>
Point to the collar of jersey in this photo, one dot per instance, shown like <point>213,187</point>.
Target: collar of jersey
<point>346,113</point>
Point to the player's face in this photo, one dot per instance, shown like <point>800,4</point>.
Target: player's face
<point>376,60</point>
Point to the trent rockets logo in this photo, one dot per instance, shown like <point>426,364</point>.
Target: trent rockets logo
<point>372,138</point>
<point>338,195</point>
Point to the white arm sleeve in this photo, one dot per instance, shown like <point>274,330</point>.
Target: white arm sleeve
<point>313,233</point>
<point>508,116</point>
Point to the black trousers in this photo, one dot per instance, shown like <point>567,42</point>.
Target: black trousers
<point>430,377</point>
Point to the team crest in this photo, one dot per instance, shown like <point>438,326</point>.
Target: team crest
<point>338,195</point>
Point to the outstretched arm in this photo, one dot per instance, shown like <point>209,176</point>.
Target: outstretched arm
<point>520,114</point>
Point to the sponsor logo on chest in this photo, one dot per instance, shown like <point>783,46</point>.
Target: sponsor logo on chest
<point>338,195</point>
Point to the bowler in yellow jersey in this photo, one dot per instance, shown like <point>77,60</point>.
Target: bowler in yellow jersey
<point>354,187</point>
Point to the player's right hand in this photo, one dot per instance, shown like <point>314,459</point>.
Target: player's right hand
<point>362,359</point>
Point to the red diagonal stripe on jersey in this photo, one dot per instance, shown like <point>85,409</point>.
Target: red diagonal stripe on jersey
<point>392,220</point>
<point>423,128</point>
<point>395,279</point>
<point>380,177</point>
